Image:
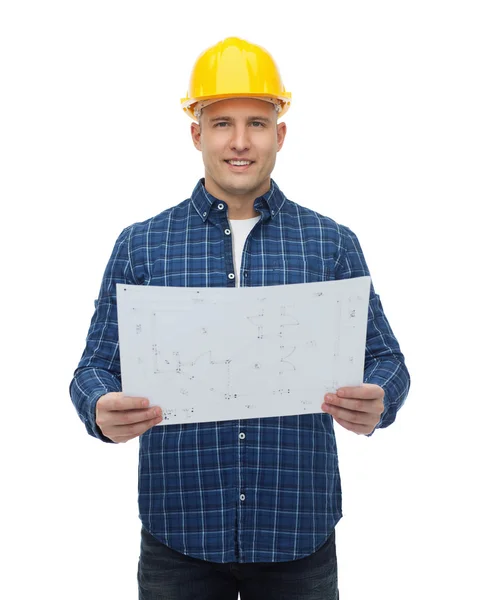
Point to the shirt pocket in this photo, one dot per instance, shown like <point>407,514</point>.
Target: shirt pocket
<point>298,269</point>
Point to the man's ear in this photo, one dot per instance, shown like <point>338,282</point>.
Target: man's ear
<point>196,135</point>
<point>281,131</point>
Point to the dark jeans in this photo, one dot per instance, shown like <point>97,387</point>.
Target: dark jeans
<point>164,574</point>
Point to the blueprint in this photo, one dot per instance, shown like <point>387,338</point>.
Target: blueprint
<point>214,354</point>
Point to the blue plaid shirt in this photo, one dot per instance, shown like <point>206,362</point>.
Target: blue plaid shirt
<point>253,490</point>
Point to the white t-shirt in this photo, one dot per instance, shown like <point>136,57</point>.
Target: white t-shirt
<point>240,230</point>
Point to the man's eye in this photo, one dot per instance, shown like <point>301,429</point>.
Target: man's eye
<point>222,124</point>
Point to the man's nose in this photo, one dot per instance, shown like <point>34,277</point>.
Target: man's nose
<point>240,138</point>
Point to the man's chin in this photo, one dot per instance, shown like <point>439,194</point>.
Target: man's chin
<point>237,184</point>
<point>242,185</point>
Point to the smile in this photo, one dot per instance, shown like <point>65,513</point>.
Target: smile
<point>239,165</point>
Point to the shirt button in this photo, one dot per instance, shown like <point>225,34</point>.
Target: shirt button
<point>227,231</point>
<point>204,214</point>
<point>242,436</point>
<point>220,206</point>
<point>242,497</point>
<point>231,275</point>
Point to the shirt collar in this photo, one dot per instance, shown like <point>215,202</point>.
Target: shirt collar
<point>269,203</point>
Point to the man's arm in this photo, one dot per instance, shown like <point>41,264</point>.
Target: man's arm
<point>98,371</point>
<point>384,361</point>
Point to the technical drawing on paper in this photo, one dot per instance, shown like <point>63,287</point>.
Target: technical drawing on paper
<point>212,354</point>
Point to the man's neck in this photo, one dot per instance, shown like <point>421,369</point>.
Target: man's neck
<point>239,207</point>
<point>241,213</point>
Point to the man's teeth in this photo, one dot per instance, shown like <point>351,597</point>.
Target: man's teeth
<point>239,163</point>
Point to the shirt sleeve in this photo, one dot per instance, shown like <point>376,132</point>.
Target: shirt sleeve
<point>384,361</point>
<point>99,371</point>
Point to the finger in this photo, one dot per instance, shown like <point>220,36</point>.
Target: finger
<point>356,428</point>
<point>128,432</point>
<point>352,416</point>
<point>121,402</point>
<point>369,391</point>
<point>128,417</point>
<point>355,404</point>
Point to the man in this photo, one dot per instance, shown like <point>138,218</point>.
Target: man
<point>251,505</point>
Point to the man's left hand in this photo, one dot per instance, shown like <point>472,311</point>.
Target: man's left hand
<point>358,409</point>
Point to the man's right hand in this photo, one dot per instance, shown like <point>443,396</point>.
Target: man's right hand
<point>122,418</point>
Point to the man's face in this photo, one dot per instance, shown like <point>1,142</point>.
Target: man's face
<point>243,129</point>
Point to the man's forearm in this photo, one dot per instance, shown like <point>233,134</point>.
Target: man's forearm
<point>392,375</point>
<point>88,384</point>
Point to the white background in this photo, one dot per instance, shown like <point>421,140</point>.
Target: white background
<point>382,137</point>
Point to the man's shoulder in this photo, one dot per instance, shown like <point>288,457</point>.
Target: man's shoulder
<point>159,221</point>
<point>312,217</point>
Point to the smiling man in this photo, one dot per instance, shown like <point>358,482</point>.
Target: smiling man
<point>250,505</point>
<point>239,139</point>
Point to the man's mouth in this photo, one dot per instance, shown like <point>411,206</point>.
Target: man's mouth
<point>239,165</point>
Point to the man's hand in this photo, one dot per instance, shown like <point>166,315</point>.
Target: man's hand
<point>356,408</point>
<point>122,418</point>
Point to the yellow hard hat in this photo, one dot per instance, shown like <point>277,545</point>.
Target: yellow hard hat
<point>235,68</point>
